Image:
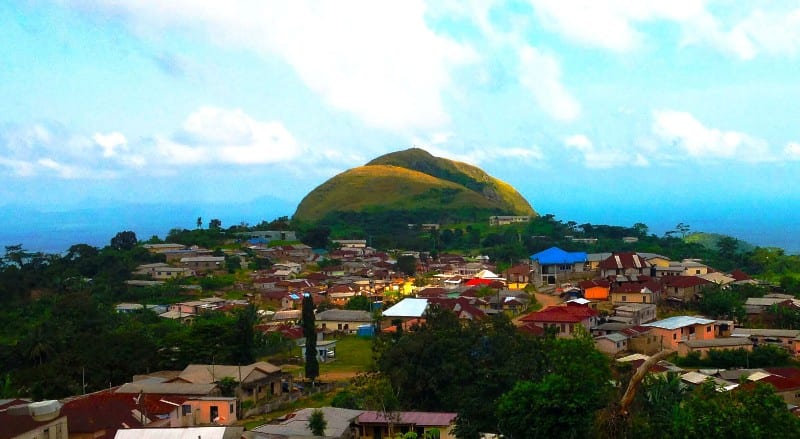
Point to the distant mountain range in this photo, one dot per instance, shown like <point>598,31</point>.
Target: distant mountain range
<point>414,184</point>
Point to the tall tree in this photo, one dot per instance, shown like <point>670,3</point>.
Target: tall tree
<point>215,224</point>
<point>310,333</point>
<point>124,240</point>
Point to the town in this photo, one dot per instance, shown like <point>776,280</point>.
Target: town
<point>642,310</point>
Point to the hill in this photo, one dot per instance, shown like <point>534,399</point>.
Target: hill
<point>417,187</point>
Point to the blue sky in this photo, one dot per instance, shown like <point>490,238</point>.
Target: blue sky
<point>600,111</point>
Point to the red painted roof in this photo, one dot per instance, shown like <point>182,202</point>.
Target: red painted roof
<point>13,425</point>
<point>623,260</point>
<point>739,275</point>
<point>594,283</point>
<point>561,314</point>
<point>684,281</point>
<point>478,281</point>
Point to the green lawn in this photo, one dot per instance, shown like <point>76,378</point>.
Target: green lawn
<point>353,354</point>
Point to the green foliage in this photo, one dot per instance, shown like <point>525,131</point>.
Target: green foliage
<point>317,423</point>
<point>310,333</point>
<point>762,356</point>
<point>124,240</point>
<point>227,386</point>
<point>407,265</point>
<point>361,303</point>
<point>743,413</point>
<point>346,399</point>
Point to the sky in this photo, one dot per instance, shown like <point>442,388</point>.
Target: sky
<point>616,111</point>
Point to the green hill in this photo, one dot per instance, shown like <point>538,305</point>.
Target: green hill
<point>710,241</point>
<point>416,187</point>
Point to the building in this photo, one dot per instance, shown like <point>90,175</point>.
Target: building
<point>503,220</point>
<point>554,265</point>
<point>344,320</point>
<point>564,319</point>
<point>22,419</point>
<point>674,330</point>
<point>625,264</point>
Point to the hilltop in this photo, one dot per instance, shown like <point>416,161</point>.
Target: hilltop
<point>414,186</point>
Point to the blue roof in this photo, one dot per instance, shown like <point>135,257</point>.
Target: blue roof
<point>555,255</point>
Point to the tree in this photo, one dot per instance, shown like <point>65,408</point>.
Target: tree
<point>310,333</point>
<point>199,222</point>
<point>317,423</point>
<point>407,264</point>
<point>683,229</point>
<point>641,229</point>
<point>215,224</point>
<point>233,263</point>
<point>746,412</point>
<point>359,303</point>
<point>227,386</point>
<point>124,240</point>
<point>727,246</point>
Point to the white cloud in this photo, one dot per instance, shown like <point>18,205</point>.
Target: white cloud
<point>378,60</point>
<point>605,158</point>
<point>540,73</point>
<point>20,168</point>
<point>792,150</point>
<point>684,131</point>
<point>218,135</point>
<point>110,142</point>
<point>742,30</point>
<point>208,136</point>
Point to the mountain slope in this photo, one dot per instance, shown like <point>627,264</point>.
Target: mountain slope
<point>416,184</point>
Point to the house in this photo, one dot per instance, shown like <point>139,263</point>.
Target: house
<point>504,220</point>
<point>703,346</point>
<point>161,248</point>
<point>634,313</point>
<point>255,381</point>
<point>693,267</point>
<point>683,288</point>
<point>377,425</point>
<point>595,289</point>
<point>624,263</point>
<point>519,274</point>
<point>339,424</point>
<point>612,343</point>
<point>674,330</point>
<point>565,318</point>
<point>643,340</point>
<point>788,339</point>
<point>21,418</point>
<point>717,278</point>
<point>635,292</point>
<point>345,320</point>
<point>554,265</point>
<point>204,263</point>
<point>786,381</point>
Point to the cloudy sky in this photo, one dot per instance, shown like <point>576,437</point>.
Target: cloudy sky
<point>595,110</point>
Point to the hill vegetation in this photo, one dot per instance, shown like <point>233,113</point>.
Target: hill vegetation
<point>414,186</point>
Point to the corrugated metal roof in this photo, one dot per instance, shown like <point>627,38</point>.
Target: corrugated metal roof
<point>422,419</point>
<point>407,308</point>
<point>678,322</point>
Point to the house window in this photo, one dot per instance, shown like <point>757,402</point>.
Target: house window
<point>708,328</point>
<point>697,272</point>
<point>644,299</point>
<point>230,409</point>
<point>674,336</point>
<point>563,327</point>
<point>340,326</point>
<point>624,299</point>
<point>186,410</point>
